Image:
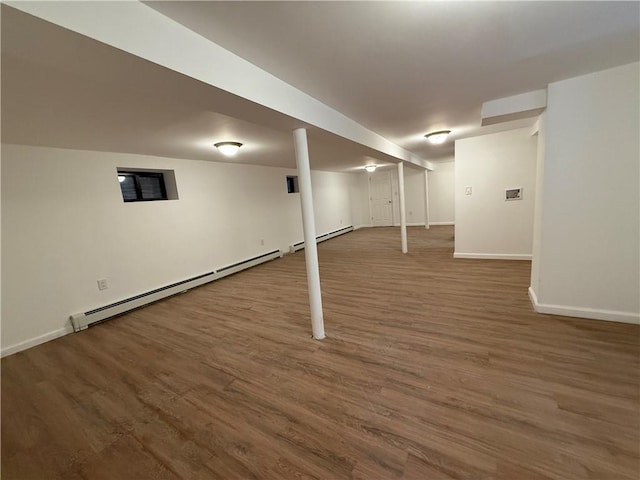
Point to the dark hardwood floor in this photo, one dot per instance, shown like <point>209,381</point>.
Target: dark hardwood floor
<point>433,369</point>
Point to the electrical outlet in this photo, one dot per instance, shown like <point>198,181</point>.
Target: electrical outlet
<point>262,241</point>
<point>410,212</point>
<point>102,284</point>
<point>468,190</point>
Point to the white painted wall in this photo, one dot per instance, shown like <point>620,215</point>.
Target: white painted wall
<point>441,192</point>
<point>1,168</point>
<point>331,200</point>
<point>537,208</point>
<point>64,225</point>
<point>588,263</point>
<point>487,226</point>
<point>359,199</point>
<point>413,195</point>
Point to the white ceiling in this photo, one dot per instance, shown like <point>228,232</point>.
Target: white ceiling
<point>401,69</point>
<point>62,89</point>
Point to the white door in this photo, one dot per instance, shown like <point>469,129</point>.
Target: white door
<point>380,198</point>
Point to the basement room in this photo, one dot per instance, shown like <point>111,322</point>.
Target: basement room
<point>320,240</point>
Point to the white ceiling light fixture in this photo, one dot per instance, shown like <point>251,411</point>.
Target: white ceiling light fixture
<point>436,138</point>
<point>228,149</point>
<point>370,168</point>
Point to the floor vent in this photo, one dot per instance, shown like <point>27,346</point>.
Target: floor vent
<point>81,321</point>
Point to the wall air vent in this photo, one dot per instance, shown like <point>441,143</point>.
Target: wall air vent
<point>513,194</point>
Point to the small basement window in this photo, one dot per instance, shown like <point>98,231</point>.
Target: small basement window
<point>292,184</point>
<point>147,185</point>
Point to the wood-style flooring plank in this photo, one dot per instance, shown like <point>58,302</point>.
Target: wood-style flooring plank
<point>433,368</point>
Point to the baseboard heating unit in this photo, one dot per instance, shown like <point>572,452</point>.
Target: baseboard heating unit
<point>81,321</point>
<point>321,238</point>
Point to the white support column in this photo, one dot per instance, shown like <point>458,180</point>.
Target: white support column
<point>426,199</point>
<point>403,215</point>
<point>309,229</point>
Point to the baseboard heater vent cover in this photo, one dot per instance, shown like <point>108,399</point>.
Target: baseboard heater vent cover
<point>81,321</point>
<point>321,238</point>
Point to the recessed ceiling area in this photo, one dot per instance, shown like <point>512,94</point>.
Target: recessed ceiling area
<point>404,69</point>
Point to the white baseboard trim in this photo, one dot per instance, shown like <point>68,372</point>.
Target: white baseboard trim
<point>533,297</point>
<point>591,313</point>
<point>421,224</point>
<point>493,256</point>
<point>417,224</point>
<point>32,342</point>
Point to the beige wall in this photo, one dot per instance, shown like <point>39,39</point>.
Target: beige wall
<point>588,261</point>
<point>486,224</point>
<point>64,226</point>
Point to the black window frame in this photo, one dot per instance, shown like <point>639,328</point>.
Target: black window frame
<point>136,176</point>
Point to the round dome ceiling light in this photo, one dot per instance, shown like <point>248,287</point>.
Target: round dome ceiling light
<point>228,149</point>
<point>436,138</point>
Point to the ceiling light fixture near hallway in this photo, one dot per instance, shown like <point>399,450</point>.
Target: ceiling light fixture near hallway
<point>228,149</point>
<point>370,168</point>
<point>436,138</point>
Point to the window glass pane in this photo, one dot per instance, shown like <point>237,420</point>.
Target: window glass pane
<point>128,186</point>
<point>151,187</point>
<point>292,184</point>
